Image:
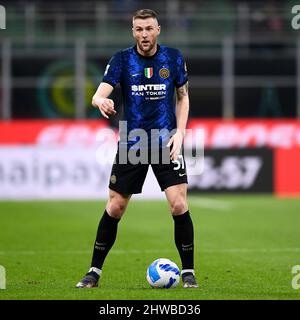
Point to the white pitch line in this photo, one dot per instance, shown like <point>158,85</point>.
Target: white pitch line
<point>137,251</point>
<point>208,203</point>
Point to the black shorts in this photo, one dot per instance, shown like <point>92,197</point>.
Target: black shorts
<point>129,178</point>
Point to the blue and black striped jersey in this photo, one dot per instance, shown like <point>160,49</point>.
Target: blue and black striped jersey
<point>148,85</point>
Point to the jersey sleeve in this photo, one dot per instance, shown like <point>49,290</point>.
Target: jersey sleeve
<point>113,70</point>
<point>182,75</point>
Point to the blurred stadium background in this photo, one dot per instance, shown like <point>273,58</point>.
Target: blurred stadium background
<point>243,60</point>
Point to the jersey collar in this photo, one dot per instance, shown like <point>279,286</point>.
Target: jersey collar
<point>146,57</point>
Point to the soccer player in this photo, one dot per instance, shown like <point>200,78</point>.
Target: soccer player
<point>149,75</point>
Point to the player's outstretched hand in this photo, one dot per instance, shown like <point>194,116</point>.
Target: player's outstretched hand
<point>176,143</point>
<point>106,107</point>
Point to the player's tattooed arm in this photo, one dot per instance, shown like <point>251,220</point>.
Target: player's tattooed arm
<point>182,111</point>
<point>183,91</point>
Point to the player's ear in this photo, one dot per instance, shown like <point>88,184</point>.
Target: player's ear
<point>158,30</point>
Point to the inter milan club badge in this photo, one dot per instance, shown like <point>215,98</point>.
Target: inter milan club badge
<point>164,73</point>
<point>113,179</point>
<point>148,72</point>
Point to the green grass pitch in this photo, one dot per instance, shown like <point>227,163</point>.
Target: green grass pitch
<point>245,248</point>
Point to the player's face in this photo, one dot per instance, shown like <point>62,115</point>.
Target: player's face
<point>145,32</point>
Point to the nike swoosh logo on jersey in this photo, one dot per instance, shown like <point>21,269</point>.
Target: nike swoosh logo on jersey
<point>135,74</point>
<point>182,174</point>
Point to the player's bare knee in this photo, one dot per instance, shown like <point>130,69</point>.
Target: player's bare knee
<point>116,204</point>
<point>178,206</point>
<point>115,210</point>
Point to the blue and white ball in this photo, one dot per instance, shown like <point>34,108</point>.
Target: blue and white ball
<point>163,273</point>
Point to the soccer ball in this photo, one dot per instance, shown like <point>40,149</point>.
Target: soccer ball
<point>163,273</point>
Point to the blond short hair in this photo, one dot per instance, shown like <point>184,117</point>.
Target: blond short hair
<point>144,14</point>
